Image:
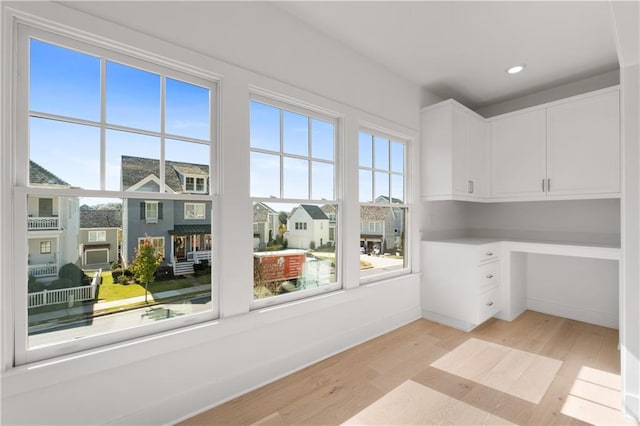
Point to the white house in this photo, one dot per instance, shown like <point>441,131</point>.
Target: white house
<point>366,66</point>
<point>308,227</point>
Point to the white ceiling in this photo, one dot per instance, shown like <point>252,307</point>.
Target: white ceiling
<point>462,49</point>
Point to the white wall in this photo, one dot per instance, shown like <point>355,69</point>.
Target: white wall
<point>580,221</point>
<point>444,219</point>
<point>160,378</point>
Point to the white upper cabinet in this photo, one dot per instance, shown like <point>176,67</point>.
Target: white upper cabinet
<point>583,146</point>
<point>567,149</point>
<point>454,153</point>
<point>518,155</point>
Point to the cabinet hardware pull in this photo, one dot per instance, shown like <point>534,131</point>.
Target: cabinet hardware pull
<point>549,185</point>
<point>542,185</point>
<point>489,253</point>
<point>489,303</point>
<point>470,186</point>
<point>490,276</point>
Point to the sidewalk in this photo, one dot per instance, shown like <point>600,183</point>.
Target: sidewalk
<point>97,307</point>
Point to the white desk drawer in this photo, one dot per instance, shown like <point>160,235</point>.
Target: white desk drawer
<point>488,276</point>
<point>487,253</point>
<point>488,304</point>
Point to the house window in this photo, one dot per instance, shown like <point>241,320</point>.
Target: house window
<point>99,123</point>
<point>151,211</point>
<point>96,236</point>
<point>156,242</point>
<point>45,247</point>
<point>194,210</point>
<point>293,175</point>
<point>195,184</point>
<point>383,207</point>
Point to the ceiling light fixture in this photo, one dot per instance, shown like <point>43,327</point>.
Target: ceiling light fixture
<point>516,69</point>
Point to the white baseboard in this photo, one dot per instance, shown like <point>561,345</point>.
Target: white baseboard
<point>605,319</point>
<point>448,321</point>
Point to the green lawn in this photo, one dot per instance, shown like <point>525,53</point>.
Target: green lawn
<point>109,291</point>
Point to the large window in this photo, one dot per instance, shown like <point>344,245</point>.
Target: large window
<point>131,141</point>
<point>383,207</point>
<point>293,186</point>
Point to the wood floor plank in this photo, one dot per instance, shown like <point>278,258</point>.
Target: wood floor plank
<point>512,359</point>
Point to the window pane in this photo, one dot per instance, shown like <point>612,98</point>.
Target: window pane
<point>366,150</point>
<point>295,176</point>
<point>382,240</point>
<point>265,126</point>
<point>366,186</point>
<point>265,175</point>
<point>63,154</point>
<point>381,153</point>
<point>187,110</point>
<point>381,187</point>
<point>295,133</point>
<point>74,306</point>
<point>322,181</point>
<point>133,97</point>
<point>63,81</point>
<point>289,258</point>
<point>322,139</point>
<point>132,160</point>
<point>397,157</point>
<point>187,159</point>
<point>397,189</point>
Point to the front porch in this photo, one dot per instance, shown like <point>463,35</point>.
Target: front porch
<point>190,244</point>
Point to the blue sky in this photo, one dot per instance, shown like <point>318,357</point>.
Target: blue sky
<point>67,83</point>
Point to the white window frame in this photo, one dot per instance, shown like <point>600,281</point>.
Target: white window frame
<point>156,242</point>
<point>195,207</point>
<point>408,243</point>
<point>194,187</point>
<point>97,236</point>
<point>107,51</point>
<point>47,243</point>
<point>151,207</point>
<point>291,105</point>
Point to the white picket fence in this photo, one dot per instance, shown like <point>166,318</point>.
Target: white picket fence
<point>66,295</point>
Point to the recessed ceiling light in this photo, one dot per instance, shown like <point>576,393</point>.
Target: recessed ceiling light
<point>516,69</point>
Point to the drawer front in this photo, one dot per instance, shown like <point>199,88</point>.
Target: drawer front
<point>488,276</point>
<point>488,304</point>
<point>487,253</point>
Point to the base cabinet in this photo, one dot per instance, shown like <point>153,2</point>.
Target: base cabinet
<point>460,283</point>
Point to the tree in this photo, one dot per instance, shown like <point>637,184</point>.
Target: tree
<point>145,263</point>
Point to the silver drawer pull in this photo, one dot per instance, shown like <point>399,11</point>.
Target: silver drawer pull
<point>489,253</point>
<point>489,303</point>
<point>490,276</point>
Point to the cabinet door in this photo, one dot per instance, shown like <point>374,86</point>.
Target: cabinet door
<point>518,164</point>
<point>477,157</point>
<point>436,170</point>
<point>583,146</point>
<point>459,150</point>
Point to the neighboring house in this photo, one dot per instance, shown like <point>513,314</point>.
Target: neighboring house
<point>307,226</point>
<point>331,210</point>
<point>53,226</point>
<point>265,225</point>
<point>100,235</point>
<point>381,227</point>
<point>180,230</point>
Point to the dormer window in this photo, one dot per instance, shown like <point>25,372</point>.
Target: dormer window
<point>195,184</point>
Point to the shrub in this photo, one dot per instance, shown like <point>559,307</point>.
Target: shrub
<point>164,272</point>
<point>122,279</point>
<point>61,283</point>
<point>312,245</point>
<point>34,285</point>
<point>72,273</point>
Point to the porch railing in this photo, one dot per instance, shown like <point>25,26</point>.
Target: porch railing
<point>39,271</point>
<point>66,295</point>
<point>199,256</point>
<point>42,223</point>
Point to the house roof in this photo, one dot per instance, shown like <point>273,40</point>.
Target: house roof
<point>261,212</point>
<point>373,213</point>
<point>136,169</point>
<point>100,219</point>
<point>315,212</point>
<point>190,229</point>
<point>384,199</point>
<point>42,176</point>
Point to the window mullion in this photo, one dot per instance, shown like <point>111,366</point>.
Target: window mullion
<point>163,84</point>
<point>103,120</point>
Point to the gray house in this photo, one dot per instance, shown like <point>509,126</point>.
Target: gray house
<point>180,230</point>
<point>100,235</point>
<point>381,227</point>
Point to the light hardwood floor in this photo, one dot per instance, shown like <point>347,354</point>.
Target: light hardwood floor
<point>537,370</point>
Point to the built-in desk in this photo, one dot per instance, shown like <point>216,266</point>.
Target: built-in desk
<point>572,280</point>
